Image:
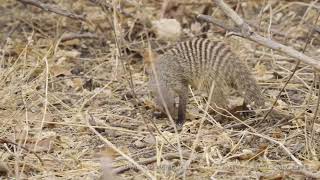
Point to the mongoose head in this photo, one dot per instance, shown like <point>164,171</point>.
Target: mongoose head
<point>163,94</point>
<point>168,100</point>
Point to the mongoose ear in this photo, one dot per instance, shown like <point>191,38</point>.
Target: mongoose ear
<point>149,56</point>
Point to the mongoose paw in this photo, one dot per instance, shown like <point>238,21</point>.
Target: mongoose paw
<point>159,114</point>
<point>171,129</point>
<point>179,126</point>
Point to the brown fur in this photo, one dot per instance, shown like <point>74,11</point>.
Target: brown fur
<point>200,62</point>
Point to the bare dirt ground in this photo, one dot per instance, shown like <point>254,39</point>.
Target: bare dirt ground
<point>66,80</point>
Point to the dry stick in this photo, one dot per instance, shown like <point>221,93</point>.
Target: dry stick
<point>279,94</point>
<point>45,108</point>
<point>158,131</point>
<point>105,140</point>
<point>167,156</point>
<point>228,155</point>
<point>165,104</point>
<point>22,147</point>
<point>306,11</point>
<point>196,141</point>
<point>71,36</point>
<point>294,71</point>
<point>152,122</point>
<point>106,7</point>
<point>276,142</point>
<point>130,81</point>
<point>8,35</point>
<point>53,8</point>
<point>292,74</point>
<point>200,108</point>
<point>246,31</point>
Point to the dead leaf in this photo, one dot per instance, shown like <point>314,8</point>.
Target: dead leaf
<point>313,164</point>
<point>150,139</point>
<point>76,83</point>
<point>246,154</point>
<point>45,144</point>
<point>72,42</point>
<point>265,77</point>
<point>139,144</point>
<point>149,56</point>
<point>68,54</point>
<point>277,133</point>
<point>59,70</point>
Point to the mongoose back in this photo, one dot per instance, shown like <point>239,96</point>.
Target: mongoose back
<point>200,63</point>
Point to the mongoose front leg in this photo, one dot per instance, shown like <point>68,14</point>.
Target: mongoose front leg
<point>182,109</point>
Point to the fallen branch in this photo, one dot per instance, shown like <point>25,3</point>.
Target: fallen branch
<point>297,161</point>
<point>244,30</point>
<point>108,6</point>
<point>4,141</point>
<point>147,161</point>
<point>71,36</point>
<point>53,8</point>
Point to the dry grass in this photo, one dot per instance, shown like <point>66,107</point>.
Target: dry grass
<point>62,100</point>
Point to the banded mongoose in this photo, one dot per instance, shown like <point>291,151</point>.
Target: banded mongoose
<point>200,62</point>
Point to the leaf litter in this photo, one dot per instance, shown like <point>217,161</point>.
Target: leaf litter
<point>48,82</point>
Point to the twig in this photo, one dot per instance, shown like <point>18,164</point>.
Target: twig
<point>53,8</point>
<point>11,31</point>
<point>221,24</point>
<point>118,39</point>
<point>147,161</point>
<point>247,32</point>
<point>196,141</point>
<point>71,36</point>
<point>109,6</point>
<point>292,74</point>
<point>306,173</point>
<point>107,142</point>
<point>279,143</point>
<point>164,102</point>
<point>22,147</point>
<point>279,94</point>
